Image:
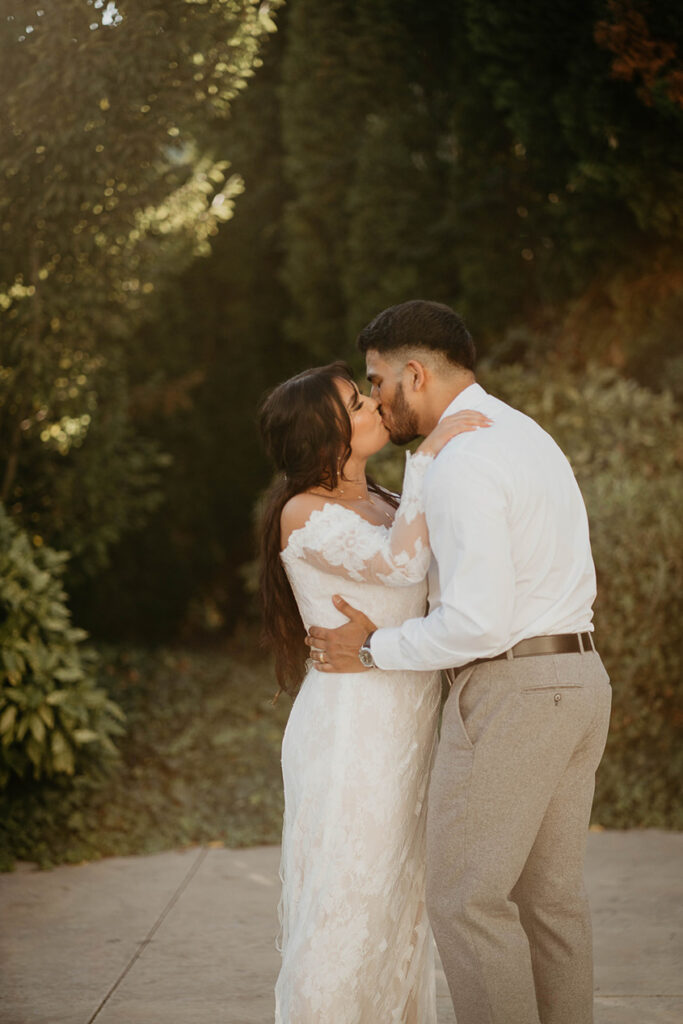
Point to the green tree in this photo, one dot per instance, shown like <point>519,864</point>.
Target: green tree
<point>320,117</point>
<point>518,163</point>
<point>108,189</point>
<point>398,242</point>
<point>590,96</point>
<point>197,372</point>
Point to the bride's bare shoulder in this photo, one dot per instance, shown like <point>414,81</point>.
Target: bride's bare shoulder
<point>297,512</point>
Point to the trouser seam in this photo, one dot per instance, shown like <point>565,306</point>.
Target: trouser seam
<point>470,937</point>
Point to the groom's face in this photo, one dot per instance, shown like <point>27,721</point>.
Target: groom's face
<point>385,376</point>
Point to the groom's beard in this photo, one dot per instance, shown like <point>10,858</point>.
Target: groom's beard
<point>402,422</point>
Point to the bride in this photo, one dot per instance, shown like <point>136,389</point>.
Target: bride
<point>357,751</point>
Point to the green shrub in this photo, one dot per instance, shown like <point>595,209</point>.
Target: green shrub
<point>54,719</point>
<point>638,544</point>
<point>200,762</point>
<point>626,447</point>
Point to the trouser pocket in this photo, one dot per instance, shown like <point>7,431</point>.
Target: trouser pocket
<point>453,719</point>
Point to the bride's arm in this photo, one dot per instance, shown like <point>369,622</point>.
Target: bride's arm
<point>338,541</point>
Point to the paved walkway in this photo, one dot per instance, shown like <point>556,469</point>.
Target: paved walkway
<point>187,938</point>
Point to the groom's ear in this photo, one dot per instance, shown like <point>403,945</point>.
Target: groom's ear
<point>417,376</point>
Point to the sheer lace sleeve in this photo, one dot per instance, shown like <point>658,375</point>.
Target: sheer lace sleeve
<point>339,541</point>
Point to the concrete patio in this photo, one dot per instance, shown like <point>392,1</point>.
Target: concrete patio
<point>188,937</point>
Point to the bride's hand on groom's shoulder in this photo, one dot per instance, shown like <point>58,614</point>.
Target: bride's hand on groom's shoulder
<point>462,422</point>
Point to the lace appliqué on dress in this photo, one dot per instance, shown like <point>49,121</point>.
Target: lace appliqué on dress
<point>336,539</point>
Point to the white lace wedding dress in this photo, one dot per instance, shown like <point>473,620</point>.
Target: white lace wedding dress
<point>356,755</point>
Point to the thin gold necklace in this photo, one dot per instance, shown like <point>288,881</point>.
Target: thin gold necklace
<point>358,497</point>
<point>335,497</point>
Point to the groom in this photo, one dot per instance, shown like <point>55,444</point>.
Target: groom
<point>511,587</point>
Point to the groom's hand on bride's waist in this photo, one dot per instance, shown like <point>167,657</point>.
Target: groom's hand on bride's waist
<point>336,650</point>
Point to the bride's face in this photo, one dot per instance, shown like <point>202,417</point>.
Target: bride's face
<point>368,433</point>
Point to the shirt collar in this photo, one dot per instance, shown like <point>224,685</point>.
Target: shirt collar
<point>470,398</point>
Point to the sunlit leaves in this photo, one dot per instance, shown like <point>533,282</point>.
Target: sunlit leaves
<point>92,114</point>
<point>108,188</point>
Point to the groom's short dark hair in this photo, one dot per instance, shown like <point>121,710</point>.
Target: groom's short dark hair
<point>420,324</point>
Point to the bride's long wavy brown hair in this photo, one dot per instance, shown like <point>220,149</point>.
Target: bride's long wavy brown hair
<point>306,431</point>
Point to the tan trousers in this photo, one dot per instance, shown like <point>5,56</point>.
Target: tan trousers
<point>509,806</point>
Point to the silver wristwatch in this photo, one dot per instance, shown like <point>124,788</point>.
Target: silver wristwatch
<point>365,654</point>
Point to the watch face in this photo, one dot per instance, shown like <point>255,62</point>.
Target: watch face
<point>365,657</point>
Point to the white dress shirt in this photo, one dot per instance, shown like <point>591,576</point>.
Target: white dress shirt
<point>511,554</point>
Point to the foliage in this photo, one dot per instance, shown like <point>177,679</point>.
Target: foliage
<point>110,186</point>
<point>197,375</point>
<point>597,188</point>
<point>520,162</point>
<point>199,763</point>
<point>637,55</point>
<point>626,447</point>
<point>318,114</point>
<point>104,116</point>
<point>585,128</point>
<point>479,154</point>
<point>54,719</point>
<point>399,239</point>
<point>502,158</point>
<point>86,476</point>
<point>638,542</point>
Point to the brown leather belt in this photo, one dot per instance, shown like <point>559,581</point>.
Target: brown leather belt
<point>557,643</point>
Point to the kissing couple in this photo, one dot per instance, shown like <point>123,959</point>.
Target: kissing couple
<point>482,568</point>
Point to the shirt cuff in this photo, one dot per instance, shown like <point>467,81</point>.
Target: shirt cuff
<point>385,648</point>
